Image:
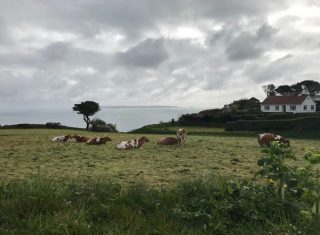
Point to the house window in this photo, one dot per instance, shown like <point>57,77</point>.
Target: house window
<point>292,107</point>
<point>312,107</point>
<point>305,107</point>
<point>266,107</point>
<point>277,108</point>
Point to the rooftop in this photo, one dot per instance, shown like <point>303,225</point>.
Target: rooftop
<point>284,100</point>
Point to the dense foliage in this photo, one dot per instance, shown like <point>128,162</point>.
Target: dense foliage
<point>299,124</point>
<point>87,109</point>
<point>100,125</point>
<point>308,86</point>
<point>312,155</point>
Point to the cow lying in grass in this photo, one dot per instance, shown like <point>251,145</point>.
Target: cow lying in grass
<point>80,139</point>
<point>168,141</point>
<point>132,144</point>
<point>265,139</point>
<point>98,140</point>
<point>61,138</point>
<point>181,136</point>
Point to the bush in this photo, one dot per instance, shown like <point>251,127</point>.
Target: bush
<point>53,124</point>
<point>214,118</point>
<point>299,124</point>
<point>99,125</point>
<point>312,155</point>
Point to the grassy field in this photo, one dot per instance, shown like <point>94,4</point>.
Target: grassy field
<point>27,152</point>
<point>74,188</point>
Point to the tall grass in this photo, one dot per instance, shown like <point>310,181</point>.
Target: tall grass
<point>41,205</point>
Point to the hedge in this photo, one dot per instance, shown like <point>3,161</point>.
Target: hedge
<point>220,119</point>
<point>298,124</point>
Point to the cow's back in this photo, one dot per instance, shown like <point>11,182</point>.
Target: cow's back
<point>266,138</point>
<point>168,141</point>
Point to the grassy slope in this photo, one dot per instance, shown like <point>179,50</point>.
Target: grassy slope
<point>167,128</point>
<point>27,152</point>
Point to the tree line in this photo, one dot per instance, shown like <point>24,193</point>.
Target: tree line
<point>305,87</point>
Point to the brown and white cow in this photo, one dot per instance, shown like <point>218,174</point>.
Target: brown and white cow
<point>168,141</point>
<point>61,138</point>
<point>267,138</point>
<point>98,140</point>
<point>80,138</point>
<point>181,136</point>
<point>132,144</point>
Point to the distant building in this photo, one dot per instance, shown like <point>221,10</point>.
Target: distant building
<point>244,105</point>
<point>291,104</point>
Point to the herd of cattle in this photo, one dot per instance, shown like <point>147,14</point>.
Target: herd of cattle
<point>124,145</point>
<point>264,139</point>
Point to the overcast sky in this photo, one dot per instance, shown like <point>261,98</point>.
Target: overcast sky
<point>54,53</point>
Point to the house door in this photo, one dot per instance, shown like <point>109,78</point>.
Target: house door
<point>284,108</point>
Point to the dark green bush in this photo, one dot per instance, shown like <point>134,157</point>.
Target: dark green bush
<point>53,124</point>
<point>298,124</point>
<point>99,125</point>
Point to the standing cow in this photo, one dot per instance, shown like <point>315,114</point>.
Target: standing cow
<point>181,136</point>
<point>267,138</point>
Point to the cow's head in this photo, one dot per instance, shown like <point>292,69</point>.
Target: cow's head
<point>105,139</point>
<point>285,141</point>
<point>144,139</point>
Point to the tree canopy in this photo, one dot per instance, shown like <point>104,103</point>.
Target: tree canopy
<point>87,109</point>
<point>313,87</point>
<point>269,89</point>
<point>305,87</point>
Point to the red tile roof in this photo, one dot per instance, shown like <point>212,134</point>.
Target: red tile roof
<point>284,100</point>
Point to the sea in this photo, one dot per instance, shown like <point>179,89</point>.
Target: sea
<point>126,118</point>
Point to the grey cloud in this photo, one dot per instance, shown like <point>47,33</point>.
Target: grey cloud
<point>240,43</point>
<point>56,51</point>
<point>243,47</point>
<point>286,67</point>
<point>130,17</point>
<point>66,55</point>
<point>4,32</point>
<point>266,32</point>
<point>146,53</point>
<point>149,53</point>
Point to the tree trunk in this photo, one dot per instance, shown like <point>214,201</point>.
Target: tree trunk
<point>87,120</point>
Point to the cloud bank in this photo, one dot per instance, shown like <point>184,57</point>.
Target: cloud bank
<point>204,53</point>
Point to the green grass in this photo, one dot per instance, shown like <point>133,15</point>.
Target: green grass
<point>28,152</point>
<point>39,205</point>
<point>74,188</point>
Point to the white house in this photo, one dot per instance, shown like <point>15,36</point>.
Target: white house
<point>292,104</point>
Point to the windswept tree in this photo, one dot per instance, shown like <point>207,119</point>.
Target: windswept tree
<point>87,109</point>
<point>297,89</point>
<point>305,87</point>
<point>313,87</point>
<point>269,89</point>
<point>284,90</point>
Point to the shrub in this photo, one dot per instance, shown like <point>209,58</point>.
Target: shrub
<point>312,155</point>
<point>272,165</point>
<point>101,126</point>
<point>53,124</point>
<point>299,124</point>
